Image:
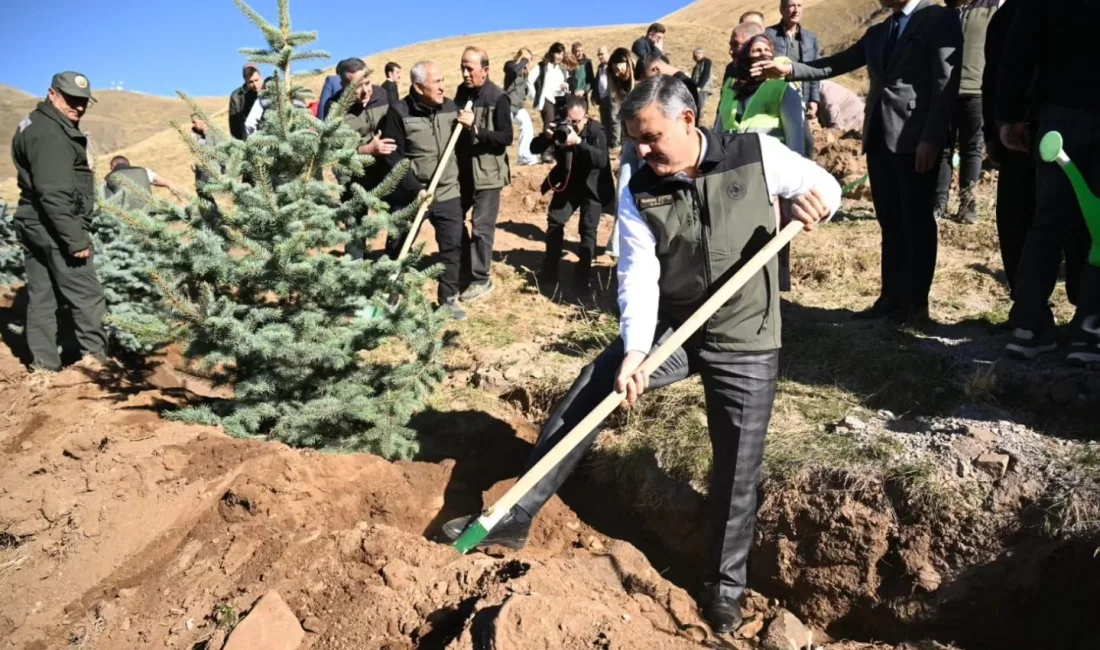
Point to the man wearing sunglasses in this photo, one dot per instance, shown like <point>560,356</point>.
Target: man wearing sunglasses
<point>56,202</point>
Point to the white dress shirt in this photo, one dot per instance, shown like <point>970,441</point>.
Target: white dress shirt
<point>787,175</point>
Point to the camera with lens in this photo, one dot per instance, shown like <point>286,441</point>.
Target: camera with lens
<point>562,131</point>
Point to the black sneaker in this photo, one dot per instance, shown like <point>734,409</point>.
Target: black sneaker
<point>475,291</point>
<point>1026,344</point>
<point>1085,349</point>
<point>511,532</point>
<point>451,305</point>
<point>723,614</point>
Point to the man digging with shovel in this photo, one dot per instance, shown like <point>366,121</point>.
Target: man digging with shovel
<point>698,210</point>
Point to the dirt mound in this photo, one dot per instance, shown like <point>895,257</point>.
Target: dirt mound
<point>841,153</point>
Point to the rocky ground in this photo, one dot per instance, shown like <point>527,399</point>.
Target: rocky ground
<point>920,491</point>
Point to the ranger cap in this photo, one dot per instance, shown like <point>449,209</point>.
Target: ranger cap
<point>73,84</point>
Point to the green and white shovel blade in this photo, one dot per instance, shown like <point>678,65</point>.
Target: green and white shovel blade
<point>472,536</point>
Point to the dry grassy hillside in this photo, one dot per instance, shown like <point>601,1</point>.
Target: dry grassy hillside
<point>136,124</point>
<point>119,119</point>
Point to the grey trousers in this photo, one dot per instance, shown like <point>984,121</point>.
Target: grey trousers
<point>477,241</point>
<point>740,390</point>
<point>53,279</point>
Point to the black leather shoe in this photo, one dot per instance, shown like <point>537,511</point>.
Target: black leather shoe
<point>723,614</point>
<point>911,316</point>
<point>511,532</point>
<point>881,309</point>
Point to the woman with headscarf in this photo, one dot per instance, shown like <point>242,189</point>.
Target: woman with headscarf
<point>773,107</point>
<point>620,81</point>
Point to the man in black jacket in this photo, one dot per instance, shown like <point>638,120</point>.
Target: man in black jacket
<point>1034,73</point>
<point>580,180</point>
<point>483,165</point>
<point>420,127</point>
<point>656,64</point>
<point>56,200</point>
<point>651,43</point>
<point>242,99</point>
<point>702,75</point>
<point>393,82</point>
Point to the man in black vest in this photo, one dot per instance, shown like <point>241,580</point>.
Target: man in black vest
<point>56,201</point>
<point>242,99</point>
<point>420,127</point>
<point>140,177</point>
<point>392,84</point>
<point>698,208</point>
<point>580,180</point>
<point>482,164</point>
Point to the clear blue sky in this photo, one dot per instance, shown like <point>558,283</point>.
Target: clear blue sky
<point>159,46</point>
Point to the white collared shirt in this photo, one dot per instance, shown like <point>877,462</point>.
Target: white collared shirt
<point>787,175</point>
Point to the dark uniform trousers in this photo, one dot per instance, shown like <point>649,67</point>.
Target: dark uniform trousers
<point>904,204</point>
<point>740,388</point>
<point>51,273</point>
<point>477,242</point>
<point>1015,208</point>
<point>1058,225</point>
<point>562,207</point>
<point>446,217</point>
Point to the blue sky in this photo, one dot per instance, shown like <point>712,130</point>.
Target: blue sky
<point>194,46</point>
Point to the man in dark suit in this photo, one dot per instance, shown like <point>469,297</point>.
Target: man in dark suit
<point>799,44</point>
<point>392,82</point>
<point>913,61</point>
<point>652,43</point>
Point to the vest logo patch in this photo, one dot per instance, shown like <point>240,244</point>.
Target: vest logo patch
<point>735,191</point>
<point>646,202</point>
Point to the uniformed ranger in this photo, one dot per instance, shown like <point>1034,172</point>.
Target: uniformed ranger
<point>143,179</point>
<point>697,209</point>
<point>56,202</point>
<point>482,164</point>
<point>420,126</point>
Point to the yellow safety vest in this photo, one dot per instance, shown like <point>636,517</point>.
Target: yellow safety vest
<point>761,113</point>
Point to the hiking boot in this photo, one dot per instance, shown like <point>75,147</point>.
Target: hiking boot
<point>968,206</point>
<point>451,305</point>
<point>940,211</point>
<point>723,614</point>
<point>511,532</point>
<point>1027,344</point>
<point>475,291</point>
<point>1085,349</point>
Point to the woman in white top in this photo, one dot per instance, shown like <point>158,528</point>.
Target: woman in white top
<point>549,81</point>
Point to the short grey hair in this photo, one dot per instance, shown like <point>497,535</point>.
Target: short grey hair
<point>745,31</point>
<point>418,74</point>
<point>670,94</point>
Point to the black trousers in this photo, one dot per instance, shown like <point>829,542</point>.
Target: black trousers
<point>446,217</point>
<point>966,130</point>
<point>562,207</point>
<point>55,279</point>
<point>1059,225</point>
<point>740,389</point>
<point>904,203</point>
<point>477,242</point>
<point>1015,209</point>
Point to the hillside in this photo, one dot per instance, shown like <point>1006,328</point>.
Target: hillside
<point>119,119</point>
<point>136,125</point>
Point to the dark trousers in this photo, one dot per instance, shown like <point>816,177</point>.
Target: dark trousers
<point>703,95</point>
<point>966,130</point>
<point>562,207</point>
<point>53,279</point>
<point>740,389</point>
<point>1058,225</point>
<point>903,206</point>
<point>1015,208</point>
<point>477,243</point>
<point>609,117</point>
<point>446,217</point>
<point>808,136</point>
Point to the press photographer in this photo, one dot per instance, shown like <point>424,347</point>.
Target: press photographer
<point>580,180</point>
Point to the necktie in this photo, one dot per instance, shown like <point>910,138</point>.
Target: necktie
<point>891,38</point>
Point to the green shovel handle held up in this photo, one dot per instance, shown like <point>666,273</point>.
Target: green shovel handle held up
<point>1050,150</point>
<point>477,531</point>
